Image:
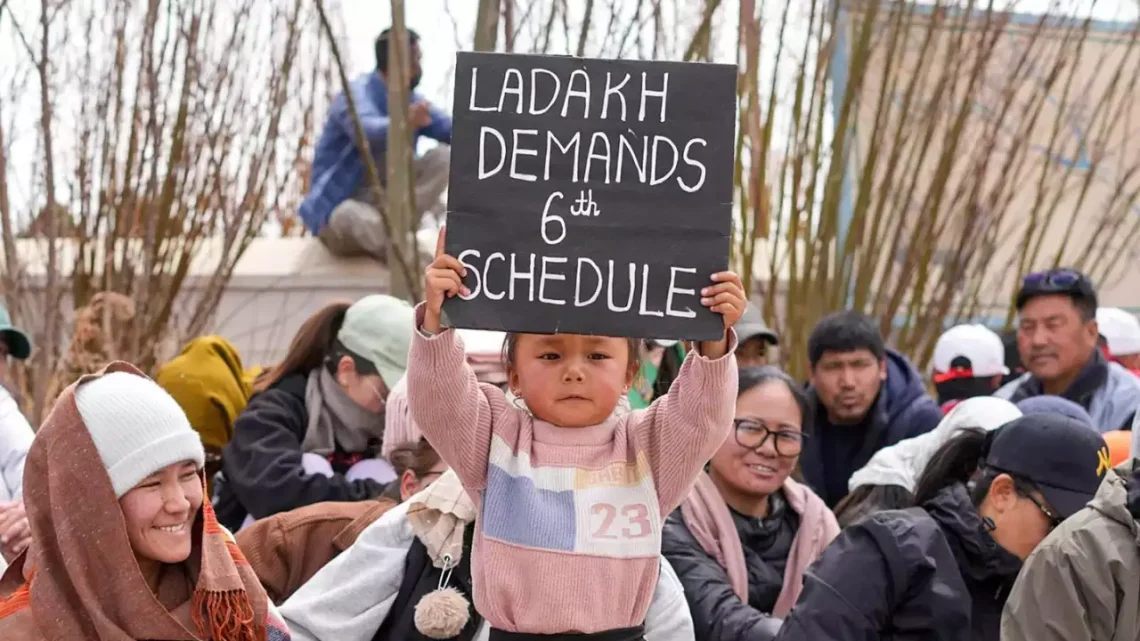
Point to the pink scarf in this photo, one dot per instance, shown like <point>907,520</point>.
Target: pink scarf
<point>708,519</point>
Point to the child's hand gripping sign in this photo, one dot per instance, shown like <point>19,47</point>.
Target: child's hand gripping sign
<point>444,279</point>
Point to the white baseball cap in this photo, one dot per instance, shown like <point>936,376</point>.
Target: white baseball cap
<point>977,344</point>
<point>1120,329</point>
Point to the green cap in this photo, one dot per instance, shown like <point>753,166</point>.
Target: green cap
<point>379,328</point>
<point>18,344</point>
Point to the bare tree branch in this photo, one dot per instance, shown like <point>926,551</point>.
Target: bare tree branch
<point>580,51</point>
<point>401,178</point>
<point>487,25</point>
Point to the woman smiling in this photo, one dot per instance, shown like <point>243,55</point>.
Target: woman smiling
<point>123,544</point>
<point>741,542</point>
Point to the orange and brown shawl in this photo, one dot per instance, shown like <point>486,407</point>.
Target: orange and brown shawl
<point>80,580</point>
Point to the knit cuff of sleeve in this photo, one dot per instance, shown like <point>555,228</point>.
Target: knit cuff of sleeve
<point>733,342</point>
<point>421,313</point>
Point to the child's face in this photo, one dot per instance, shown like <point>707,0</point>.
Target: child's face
<point>571,380</point>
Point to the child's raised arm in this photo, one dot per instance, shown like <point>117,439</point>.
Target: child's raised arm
<point>681,431</point>
<point>451,408</point>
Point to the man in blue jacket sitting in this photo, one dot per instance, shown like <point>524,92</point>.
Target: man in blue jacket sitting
<point>341,208</point>
<point>866,397</point>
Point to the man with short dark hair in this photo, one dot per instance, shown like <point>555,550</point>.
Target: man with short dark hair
<point>866,396</point>
<point>1057,337</point>
<point>341,208</point>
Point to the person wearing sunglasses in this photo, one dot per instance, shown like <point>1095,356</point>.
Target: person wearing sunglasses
<point>944,569</point>
<point>1057,336</point>
<point>744,537</point>
<point>1080,584</point>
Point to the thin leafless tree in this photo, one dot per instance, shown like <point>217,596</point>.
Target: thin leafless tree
<point>183,124</point>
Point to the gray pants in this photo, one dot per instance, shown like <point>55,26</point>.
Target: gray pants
<point>355,227</point>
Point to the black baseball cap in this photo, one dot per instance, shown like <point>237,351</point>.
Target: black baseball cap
<point>1058,281</point>
<point>1064,458</point>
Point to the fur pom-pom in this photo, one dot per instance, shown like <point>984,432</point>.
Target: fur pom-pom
<point>442,614</point>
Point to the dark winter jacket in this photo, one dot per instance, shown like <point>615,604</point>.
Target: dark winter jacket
<point>420,578</point>
<point>718,614</point>
<point>262,471</point>
<point>931,573</point>
<point>834,452</point>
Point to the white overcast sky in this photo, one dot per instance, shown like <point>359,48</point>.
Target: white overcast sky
<point>364,19</point>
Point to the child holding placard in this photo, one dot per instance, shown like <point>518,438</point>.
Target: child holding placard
<point>570,494</point>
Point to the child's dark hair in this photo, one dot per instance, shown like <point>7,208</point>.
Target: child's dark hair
<point>869,499</point>
<point>962,460</point>
<point>315,343</point>
<point>510,344</point>
<point>419,457</point>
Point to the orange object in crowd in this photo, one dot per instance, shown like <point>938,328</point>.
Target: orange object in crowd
<point>1119,445</point>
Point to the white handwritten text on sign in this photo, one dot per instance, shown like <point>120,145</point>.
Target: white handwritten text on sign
<point>590,196</point>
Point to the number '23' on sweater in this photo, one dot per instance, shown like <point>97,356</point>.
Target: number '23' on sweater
<point>568,526</point>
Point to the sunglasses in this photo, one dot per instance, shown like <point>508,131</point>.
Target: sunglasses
<point>1054,518</point>
<point>1053,280</point>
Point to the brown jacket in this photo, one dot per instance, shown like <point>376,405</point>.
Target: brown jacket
<point>1081,583</point>
<point>287,549</point>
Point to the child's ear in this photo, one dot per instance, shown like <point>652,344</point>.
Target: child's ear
<point>512,380</point>
<point>409,485</point>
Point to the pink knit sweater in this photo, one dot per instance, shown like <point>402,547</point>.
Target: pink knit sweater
<point>568,526</point>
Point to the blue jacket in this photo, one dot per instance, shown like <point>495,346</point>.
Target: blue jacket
<point>1110,393</point>
<point>338,170</point>
<point>902,410</point>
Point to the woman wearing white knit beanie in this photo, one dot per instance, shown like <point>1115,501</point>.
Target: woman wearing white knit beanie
<point>124,545</point>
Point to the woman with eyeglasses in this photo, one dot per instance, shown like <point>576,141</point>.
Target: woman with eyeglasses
<point>314,428</point>
<point>745,535</point>
<point>944,569</point>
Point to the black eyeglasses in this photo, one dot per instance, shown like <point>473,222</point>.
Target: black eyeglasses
<point>1053,280</point>
<point>1054,518</point>
<point>753,434</point>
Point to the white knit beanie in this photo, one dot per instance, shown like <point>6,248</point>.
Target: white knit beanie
<point>137,427</point>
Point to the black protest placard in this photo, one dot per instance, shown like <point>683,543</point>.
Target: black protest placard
<point>590,196</point>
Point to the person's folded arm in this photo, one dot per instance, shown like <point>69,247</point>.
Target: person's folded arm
<point>263,465</point>
<point>372,121</point>
<point>440,127</point>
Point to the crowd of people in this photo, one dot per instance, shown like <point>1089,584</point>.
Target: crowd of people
<point>393,478</point>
